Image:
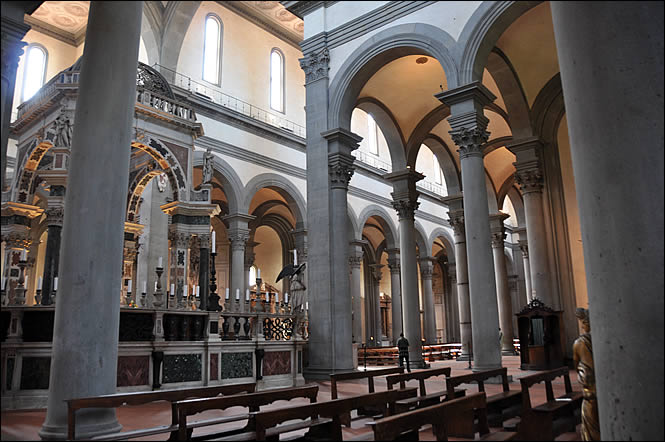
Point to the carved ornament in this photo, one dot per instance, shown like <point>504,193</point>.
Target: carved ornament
<point>55,216</point>
<point>340,174</point>
<point>316,66</point>
<point>470,141</point>
<point>406,208</point>
<point>530,180</point>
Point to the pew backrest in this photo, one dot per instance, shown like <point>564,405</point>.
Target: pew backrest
<point>544,376</point>
<point>369,375</point>
<point>420,376</point>
<point>479,377</point>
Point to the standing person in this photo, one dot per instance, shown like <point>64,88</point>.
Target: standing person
<point>403,347</point>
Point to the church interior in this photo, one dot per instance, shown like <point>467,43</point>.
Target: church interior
<point>219,204</point>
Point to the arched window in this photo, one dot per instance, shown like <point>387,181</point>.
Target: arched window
<point>371,135</point>
<point>212,43</point>
<point>35,70</point>
<point>277,80</point>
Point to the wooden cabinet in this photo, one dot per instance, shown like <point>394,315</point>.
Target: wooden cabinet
<point>541,337</point>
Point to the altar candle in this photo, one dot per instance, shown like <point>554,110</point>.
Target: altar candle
<point>129,286</point>
<point>295,257</point>
<point>156,286</point>
<point>258,273</point>
<point>172,289</point>
<point>213,242</point>
<point>185,292</point>
<point>55,283</point>
<point>247,295</point>
<point>145,286</point>
<point>159,262</point>
<point>306,305</point>
<point>23,255</point>
<point>39,283</point>
<point>277,297</point>
<point>267,296</point>
<point>227,293</point>
<point>286,297</point>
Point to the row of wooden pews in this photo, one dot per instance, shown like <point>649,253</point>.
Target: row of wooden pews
<point>394,413</point>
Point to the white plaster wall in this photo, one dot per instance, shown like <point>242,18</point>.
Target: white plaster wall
<point>268,255</point>
<point>451,16</point>
<point>245,61</point>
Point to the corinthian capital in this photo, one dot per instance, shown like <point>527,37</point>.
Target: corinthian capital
<point>524,247</point>
<point>238,239</point>
<point>530,179</point>
<point>340,169</point>
<point>315,65</point>
<point>54,216</point>
<point>406,208</point>
<point>470,140</point>
<point>456,220</point>
<point>497,239</point>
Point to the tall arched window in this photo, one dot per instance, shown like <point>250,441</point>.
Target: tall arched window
<point>277,80</point>
<point>35,70</point>
<point>212,43</point>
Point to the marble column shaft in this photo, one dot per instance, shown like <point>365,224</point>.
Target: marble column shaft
<point>238,234</point>
<point>54,218</point>
<point>376,305</point>
<point>469,133</point>
<point>524,247</point>
<point>85,334</point>
<point>355,261</point>
<point>395,293</point>
<point>504,300</point>
<point>611,60</point>
<point>405,202</point>
<point>426,272</point>
<point>204,271</point>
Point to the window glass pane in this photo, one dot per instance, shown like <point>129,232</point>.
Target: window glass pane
<point>371,132</point>
<point>34,72</point>
<point>211,51</point>
<point>276,81</point>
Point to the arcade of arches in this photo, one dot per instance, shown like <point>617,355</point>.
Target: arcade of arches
<point>438,166</point>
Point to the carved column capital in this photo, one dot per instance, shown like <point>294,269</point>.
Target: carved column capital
<point>394,265</point>
<point>377,273</point>
<point>238,239</point>
<point>498,239</point>
<point>406,208</point>
<point>456,220</point>
<point>316,65</point>
<point>470,140</point>
<point>524,247</point>
<point>249,259</point>
<point>55,216</point>
<point>12,46</point>
<point>204,240</point>
<point>340,168</point>
<point>426,267</point>
<point>355,261</point>
<point>16,240</point>
<point>530,178</point>
<point>179,240</point>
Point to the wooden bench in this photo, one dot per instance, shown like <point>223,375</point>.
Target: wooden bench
<point>423,399</point>
<point>455,416</point>
<point>324,419</point>
<point>557,415</point>
<point>378,356</point>
<point>145,397</point>
<point>252,401</point>
<point>500,406</point>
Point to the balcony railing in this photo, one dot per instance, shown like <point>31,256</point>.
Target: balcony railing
<point>216,96</point>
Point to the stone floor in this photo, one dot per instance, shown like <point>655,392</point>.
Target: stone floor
<point>25,424</point>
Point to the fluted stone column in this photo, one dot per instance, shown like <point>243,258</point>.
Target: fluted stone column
<point>456,219</point>
<point>376,304</point>
<point>426,271</point>
<point>238,234</point>
<point>92,240</point>
<point>355,261</point>
<point>469,133</point>
<point>611,60</point>
<point>405,202</point>
<point>13,29</point>
<point>501,275</point>
<point>54,217</point>
<point>529,176</point>
<point>395,293</point>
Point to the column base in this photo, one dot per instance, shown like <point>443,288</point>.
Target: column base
<point>510,352</point>
<point>418,364</point>
<point>465,357</point>
<point>318,374</point>
<point>497,380</point>
<point>59,432</point>
<point>489,367</point>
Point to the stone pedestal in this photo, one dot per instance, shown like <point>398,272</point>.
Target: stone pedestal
<point>92,241</point>
<point>611,59</point>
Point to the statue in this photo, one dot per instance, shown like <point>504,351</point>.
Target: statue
<point>63,129</point>
<point>162,179</point>
<point>583,360</point>
<point>298,295</point>
<point>207,166</point>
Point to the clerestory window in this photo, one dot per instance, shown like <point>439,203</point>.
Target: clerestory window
<point>212,43</point>
<point>35,70</point>
<point>277,80</point>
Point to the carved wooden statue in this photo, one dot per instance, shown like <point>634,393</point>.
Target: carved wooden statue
<point>583,359</point>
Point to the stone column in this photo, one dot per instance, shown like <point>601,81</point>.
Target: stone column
<point>405,202</point>
<point>395,293</point>
<point>426,271</point>
<point>524,247</point>
<point>340,169</point>
<point>249,261</point>
<point>456,219</point>
<point>204,270</point>
<point>469,133</point>
<point>606,73</point>
<point>13,30</point>
<point>453,320</point>
<point>355,261</point>
<point>54,217</point>
<point>529,176</point>
<point>501,275</point>
<point>179,263</point>
<point>238,234</point>
<point>91,257</point>
<point>376,304</point>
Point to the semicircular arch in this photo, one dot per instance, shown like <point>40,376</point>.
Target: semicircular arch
<point>282,186</point>
<point>382,216</point>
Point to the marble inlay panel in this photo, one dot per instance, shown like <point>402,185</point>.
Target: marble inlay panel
<point>237,365</point>
<point>181,368</point>
<point>35,373</point>
<point>214,366</point>
<point>133,370</point>
<point>276,362</point>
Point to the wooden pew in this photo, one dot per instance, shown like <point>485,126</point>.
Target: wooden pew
<point>324,418</point>
<point>423,399</point>
<point>145,397</point>
<point>500,406</point>
<point>252,401</point>
<point>557,415</point>
<point>453,416</point>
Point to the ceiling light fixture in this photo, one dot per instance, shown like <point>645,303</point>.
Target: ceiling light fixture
<point>422,60</point>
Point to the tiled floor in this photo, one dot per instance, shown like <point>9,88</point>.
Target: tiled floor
<point>24,425</point>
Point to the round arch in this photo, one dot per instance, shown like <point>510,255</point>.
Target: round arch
<point>421,239</point>
<point>448,242</point>
<point>355,234</point>
<point>282,186</point>
<point>389,127</point>
<point>440,149</point>
<point>27,171</point>
<point>390,233</point>
<point>386,46</point>
<point>231,183</point>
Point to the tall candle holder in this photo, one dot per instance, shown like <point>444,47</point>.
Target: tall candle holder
<point>159,300</point>
<point>19,291</point>
<point>213,298</point>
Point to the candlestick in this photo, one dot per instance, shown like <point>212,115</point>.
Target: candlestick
<point>226,296</point>
<point>39,283</point>
<point>23,255</point>
<point>213,299</point>
<point>159,262</point>
<point>158,301</point>
<point>145,287</point>
<point>55,283</point>
<point>198,291</point>
<point>306,305</point>
<point>237,294</point>
<point>172,289</point>
<point>129,286</point>
<point>247,295</point>
<point>286,298</point>
<point>267,296</point>
<point>277,297</point>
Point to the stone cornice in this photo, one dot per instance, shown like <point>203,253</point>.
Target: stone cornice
<point>13,208</point>
<point>475,91</point>
<point>288,37</point>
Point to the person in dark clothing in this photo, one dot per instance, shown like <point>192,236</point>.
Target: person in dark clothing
<point>403,347</point>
